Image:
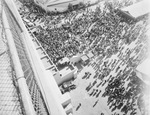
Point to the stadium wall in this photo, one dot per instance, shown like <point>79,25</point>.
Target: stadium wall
<point>45,81</point>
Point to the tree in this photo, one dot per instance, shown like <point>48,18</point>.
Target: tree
<point>97,11</point>
<point>109,6</point>
<point>81,5</point>
<point>70,7</point>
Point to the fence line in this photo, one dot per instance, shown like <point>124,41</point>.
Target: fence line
<point>25,96</point>
<point>24,70</point>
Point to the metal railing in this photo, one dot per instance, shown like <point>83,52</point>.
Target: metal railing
<point>9,94</point>
<point>34,90</point>
<point>37,87</point>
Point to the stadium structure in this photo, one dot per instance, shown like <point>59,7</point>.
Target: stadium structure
<point>135,11</point>
<point>26,85</point>
<point>61,5</point>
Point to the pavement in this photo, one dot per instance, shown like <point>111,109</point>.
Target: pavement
<point>80,95</point>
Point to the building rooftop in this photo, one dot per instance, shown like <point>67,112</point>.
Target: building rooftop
<point>144,67</point>
<point>84,58</point>
<point>90,55</point>
<point>59,5</point>
<point>63,60</point>
<point>66,70</point>
<point>138,9</point>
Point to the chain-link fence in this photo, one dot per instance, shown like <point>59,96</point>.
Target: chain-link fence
<point>9,95</point>
<point>7,82</point>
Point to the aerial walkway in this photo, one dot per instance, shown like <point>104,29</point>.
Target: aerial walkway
<point>25,86</point>
<point>9,97</point>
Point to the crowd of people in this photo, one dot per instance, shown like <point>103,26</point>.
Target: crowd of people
<point>122,86</point>
<point>69,33</point>
<point>118,48</point>
<point>124,91</point>
<point>53,32</point>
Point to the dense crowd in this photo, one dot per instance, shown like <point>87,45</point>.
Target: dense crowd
<point>70,33</point>
<point>124,91</point>
<point>117,74</point>
<point>118,47</point>
<point>122,86</point>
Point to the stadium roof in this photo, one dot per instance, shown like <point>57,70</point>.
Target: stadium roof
<point>138,9</point>
<point>58,2</point>
<point>60,5</point>
<point>144,67</point>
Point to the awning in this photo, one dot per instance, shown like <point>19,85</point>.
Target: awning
<point>84,58</point>
<point>144,67</point>
<point>90,55</point>
<point>138,9</point>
